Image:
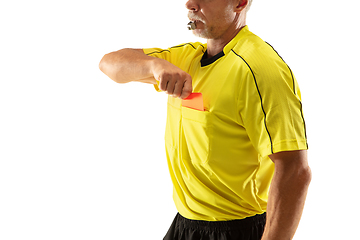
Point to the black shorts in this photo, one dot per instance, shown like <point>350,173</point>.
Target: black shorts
<point>250,228</point>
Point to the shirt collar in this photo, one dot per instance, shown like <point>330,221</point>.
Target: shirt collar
<point>241,34</point>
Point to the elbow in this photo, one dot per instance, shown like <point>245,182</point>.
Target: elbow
<point>305,176</point>
<point>102,64</point>
<point>309,173</point>
<point>106,66</point>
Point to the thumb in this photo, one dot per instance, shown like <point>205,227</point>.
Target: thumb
<point>187,89</point>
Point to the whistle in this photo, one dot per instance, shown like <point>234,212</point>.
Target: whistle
<point>191,25</point>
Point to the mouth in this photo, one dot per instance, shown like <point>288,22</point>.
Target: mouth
<point>198,23</point>
<point>195,20</point>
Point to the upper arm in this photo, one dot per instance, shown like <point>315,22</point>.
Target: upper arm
<point>295,163</point>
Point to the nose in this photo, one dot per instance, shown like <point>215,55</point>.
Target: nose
<point>192,5</point>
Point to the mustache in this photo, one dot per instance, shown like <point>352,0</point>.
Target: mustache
<point>194,17</point>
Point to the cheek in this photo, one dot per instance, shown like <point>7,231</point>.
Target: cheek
<point>229,16</point>
<point>223,17</point>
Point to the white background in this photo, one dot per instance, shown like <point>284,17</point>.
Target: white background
<point>82,157</point>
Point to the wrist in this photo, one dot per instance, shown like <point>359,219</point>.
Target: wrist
<point>155,65</point>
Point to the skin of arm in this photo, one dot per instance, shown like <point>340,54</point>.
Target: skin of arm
<point>128,65</point>
<point>287,194</point>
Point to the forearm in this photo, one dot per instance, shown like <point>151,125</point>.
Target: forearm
<point>286,202</point>
<point>128,65</point>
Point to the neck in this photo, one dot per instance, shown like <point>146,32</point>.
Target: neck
<point>214,46</point>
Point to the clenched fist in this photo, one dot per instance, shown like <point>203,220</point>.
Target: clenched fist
<point>172,80</point>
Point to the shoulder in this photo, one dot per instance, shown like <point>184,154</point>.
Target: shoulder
<point>261,59</point>
<point>255,52</point>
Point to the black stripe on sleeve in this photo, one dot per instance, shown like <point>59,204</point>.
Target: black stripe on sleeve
<point>165,50</point>
<point>184,45</point>
<point>190,45</point>
<point>301,106</point>
<point>294,89</point>
<point>287,66</point>
<point>302,116</point>
<point>261,101</point>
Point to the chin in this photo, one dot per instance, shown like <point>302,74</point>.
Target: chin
<point>202,33</point>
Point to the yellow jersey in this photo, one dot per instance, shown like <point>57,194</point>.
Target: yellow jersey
<point>218,158</point>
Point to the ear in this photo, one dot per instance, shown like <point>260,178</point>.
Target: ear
<point>241,5</point>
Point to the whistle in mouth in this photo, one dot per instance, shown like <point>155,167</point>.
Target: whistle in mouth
<point>191,25</point>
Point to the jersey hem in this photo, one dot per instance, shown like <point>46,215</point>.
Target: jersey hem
<point>290,145</point>
<point>216,219</point>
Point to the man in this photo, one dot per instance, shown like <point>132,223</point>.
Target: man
<point>250,134</point>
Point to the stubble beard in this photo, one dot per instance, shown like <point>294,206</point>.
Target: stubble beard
<point>214,30</point>
<point>208,32</point>
<point>203,33</point>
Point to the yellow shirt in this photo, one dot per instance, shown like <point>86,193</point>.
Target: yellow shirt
<point>218,158</point>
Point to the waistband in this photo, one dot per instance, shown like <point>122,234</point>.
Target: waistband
<point>245,223</point>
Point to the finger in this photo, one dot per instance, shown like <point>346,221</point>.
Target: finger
<point>187,88</point>
<point>163,82</point>
<point>178,88</point>
<point>171,85</point>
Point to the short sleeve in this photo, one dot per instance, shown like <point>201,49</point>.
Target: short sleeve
<point>271,108</point>
<point>180,55</point>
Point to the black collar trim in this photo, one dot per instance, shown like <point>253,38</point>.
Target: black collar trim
<point>207,61</point>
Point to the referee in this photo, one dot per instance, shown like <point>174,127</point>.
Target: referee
<point>239,163</point>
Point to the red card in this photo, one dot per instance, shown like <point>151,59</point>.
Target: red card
<point>194,101</point>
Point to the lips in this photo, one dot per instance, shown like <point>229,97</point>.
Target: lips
<point>194,18</point>
<point>197,22</point>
